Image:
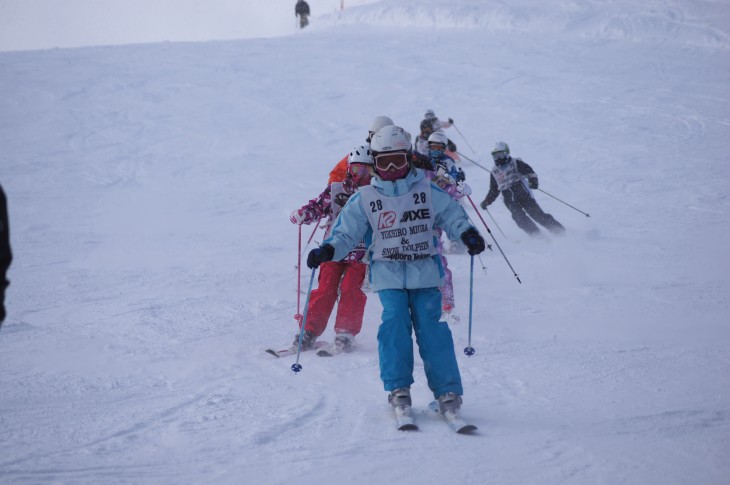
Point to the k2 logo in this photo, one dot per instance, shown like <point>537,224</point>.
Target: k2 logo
<point>386,220</point>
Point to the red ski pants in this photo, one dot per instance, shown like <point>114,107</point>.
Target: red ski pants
<point>348,278</point>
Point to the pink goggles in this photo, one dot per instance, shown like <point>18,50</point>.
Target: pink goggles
<point>359,170</point>
<point>388,161</point>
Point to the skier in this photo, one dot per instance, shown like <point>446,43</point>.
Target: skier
<point>514,178</point>
<point>436,168</point>
<point>340,171</point>
<point>435,122</point>
<point>6,255</point>
<point>400,210</point>
<point>348,273</point>
<point>442,171</point>
<point>420,145</point>
<point>301,10</point>
<point>437,153</point>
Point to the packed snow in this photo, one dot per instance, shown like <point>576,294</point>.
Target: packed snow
<point>150,186</point>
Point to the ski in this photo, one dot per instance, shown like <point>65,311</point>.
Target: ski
<point>454,421</point>
<point>335,349</point>
<point>330,351</point>
<point>293,349</point>
<point>404,419</point>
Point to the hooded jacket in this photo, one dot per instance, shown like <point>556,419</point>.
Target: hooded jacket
<point>352,225</point>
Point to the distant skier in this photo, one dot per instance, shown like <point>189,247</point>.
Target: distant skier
<point>426,128</point>
<point>514,179</point>
<point>344,277</point>
<point>301,10</point>
<point>6,256</point>
<point>437,124</point>
<point>438,156</point>
<point>400,210</point>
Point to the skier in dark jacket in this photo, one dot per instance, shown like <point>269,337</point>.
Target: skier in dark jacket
<point>301,10</point>
<point>514,178</point>
<point>5,255</point>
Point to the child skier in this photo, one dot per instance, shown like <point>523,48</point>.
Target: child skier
<point>441,170</point>
<point>348,272</point>
<point>514,178</point>
<point>427,128</point>
<point>437,124</point>
<point>400,210</point>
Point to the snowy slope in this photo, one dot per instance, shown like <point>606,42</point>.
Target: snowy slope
<point>149,190</point>
<point>45,24</point>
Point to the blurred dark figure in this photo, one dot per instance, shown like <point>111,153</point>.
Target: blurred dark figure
<point>301,10</point>
<point>5,255</point>
<point>516,180</point>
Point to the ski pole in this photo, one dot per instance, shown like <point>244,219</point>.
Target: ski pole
<point>472,161</point>
<point>298,316</point>
<point>484,267</point>
<point>584,213</point>
<point>495,223</point>
<point>489,246</point>
<point>490,172</point>
<point>308,242</point>
<point>296,366</point>
<point>462,135</point>
<point>494,239</point>
<point>469,350</point>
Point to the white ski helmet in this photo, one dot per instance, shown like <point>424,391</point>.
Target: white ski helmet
<point>379,122</point>
<point>390,139</point>
<point>361,154</point>
<point>430,115</point>
<point>438,137</point>
<point>500,151</point>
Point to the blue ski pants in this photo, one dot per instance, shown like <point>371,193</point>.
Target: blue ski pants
<point>416,311</point>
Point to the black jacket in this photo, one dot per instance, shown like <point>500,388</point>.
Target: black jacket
<point>523,168</point>
<point>301,8</point>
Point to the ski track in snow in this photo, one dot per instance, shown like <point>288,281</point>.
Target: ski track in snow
<point>150,186</point>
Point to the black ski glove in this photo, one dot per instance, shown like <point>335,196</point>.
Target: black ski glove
<point>484,204</point>
<point>473,240</point>
<point>451,121</point>
<point>320,255</point>
<point>533,183</point>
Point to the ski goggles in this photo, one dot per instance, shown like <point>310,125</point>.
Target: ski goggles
<point>499,155</point>
<point>387,161</point>
<point>359,170</point>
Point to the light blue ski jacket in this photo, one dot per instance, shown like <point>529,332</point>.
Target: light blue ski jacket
<point>352,226</point>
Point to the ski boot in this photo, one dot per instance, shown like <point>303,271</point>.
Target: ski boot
<point>450,403</point>
<point>400,400</point>
<point>344,342</point>
<point>400,397</point>
<point>308,340</point>
<point>448,406</point>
